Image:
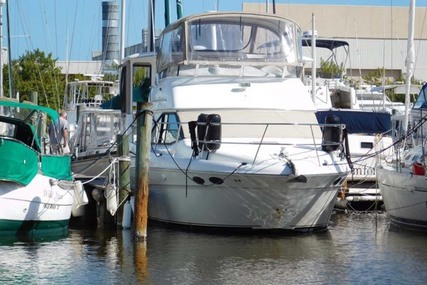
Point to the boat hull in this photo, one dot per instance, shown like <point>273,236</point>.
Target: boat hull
<point>404,196</point>
<point>41,207</point>
<point>243,201</point>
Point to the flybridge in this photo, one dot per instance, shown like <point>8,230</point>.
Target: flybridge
<point>230,40</point>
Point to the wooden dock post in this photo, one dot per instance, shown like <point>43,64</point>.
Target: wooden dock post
<point>124,173</point>
<point>142,168</point>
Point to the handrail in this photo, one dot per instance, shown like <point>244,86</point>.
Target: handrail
<point>262,139</point>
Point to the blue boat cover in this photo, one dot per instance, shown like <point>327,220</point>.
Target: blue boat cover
<point>421,102</point>
<point>360,122</point>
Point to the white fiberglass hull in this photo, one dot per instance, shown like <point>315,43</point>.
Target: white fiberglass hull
<point>243,201</point>
<point>269,195</point>
<point>404,197</point>
<point>39,206</point>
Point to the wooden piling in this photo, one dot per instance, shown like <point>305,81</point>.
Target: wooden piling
<point>142,168</point>
<point>140,261</point>
<point>124,173</point>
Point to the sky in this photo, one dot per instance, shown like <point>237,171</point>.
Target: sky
<point>72,29</point>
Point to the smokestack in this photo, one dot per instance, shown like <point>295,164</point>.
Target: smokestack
<point>144,40</point>
<point>110,31</point>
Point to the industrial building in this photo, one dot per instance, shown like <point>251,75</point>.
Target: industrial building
<point>377,35</point>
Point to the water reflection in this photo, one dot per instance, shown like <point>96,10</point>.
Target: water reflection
<point>357,249</point>
<point>224,259</point>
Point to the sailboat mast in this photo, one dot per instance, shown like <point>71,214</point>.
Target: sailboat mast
<point>151,42</point>
<point>9,65</point>
<point>122,30</point>
<point>314,64</point>
<point>178,9</point>
<point>267,6</point>
<point>409,62</point>
<point>167,13</point>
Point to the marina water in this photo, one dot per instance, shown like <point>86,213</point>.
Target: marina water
<point>358,248</point>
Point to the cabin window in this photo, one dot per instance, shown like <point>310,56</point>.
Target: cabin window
<point>107,127</point>
<point>7,130</point>
<point>167,129</point>
<point>85,131</point>
<point>141,78</point>
<point>123,90</point>
<point>236,39</point>
<point>171,47</point>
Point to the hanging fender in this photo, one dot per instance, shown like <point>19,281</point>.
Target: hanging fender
<point>331,134</point>
<point>208,132</point>
<point>213,132</point>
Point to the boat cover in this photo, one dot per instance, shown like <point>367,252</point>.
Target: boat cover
<point>57,166</point>
<point>19,161</point>
<point>360,122</point>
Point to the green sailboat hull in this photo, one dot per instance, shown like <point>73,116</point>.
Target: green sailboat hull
<point>32,228</point>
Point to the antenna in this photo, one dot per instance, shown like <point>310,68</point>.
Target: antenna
<point>9,52</point>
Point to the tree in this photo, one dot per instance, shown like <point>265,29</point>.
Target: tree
<point>36,72</point>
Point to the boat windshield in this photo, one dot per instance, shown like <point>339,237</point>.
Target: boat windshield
<point>233,40</point>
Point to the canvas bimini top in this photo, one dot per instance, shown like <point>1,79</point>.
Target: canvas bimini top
<point>22,148</point>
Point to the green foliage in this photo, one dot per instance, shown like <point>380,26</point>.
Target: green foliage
<point>36,72</point>
<point>355,83</point>
<point>375,77</point>
<point>111,77</point>
<point>139,75</point>
<point>329,69</point>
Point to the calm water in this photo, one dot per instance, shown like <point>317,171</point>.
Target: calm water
<point>358,248</point>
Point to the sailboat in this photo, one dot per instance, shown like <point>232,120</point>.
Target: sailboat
<point>38,193</point>
<point>402,179</point>
<point>37,190</point>
<point>235,142</point>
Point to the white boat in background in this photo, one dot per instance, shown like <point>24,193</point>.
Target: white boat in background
<point>369,132</point>
<point>333,89</point>
<point>94,118</point>
<point>37,191</point>
<point>235,142</point>
<point>94,143</point>
<point>402,179</point>
<point>87,94</point>
<point>369,139</point>
<point>374,98</point>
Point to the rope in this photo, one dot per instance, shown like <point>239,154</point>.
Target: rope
<point>185,172</point>
<point>102,172</point>
<point>401,139</point>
